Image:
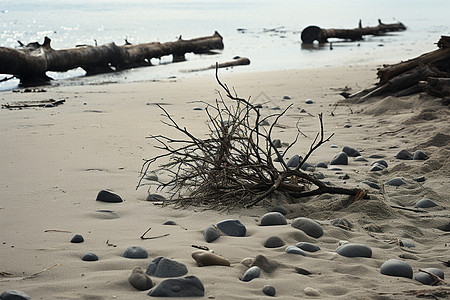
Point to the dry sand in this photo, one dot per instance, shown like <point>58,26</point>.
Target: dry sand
<point>54,161</point>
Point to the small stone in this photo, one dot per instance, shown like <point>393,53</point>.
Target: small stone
<point>107,214</point>
<point>211,234</point>
<point>360,158</point>
<point>264,123</point>
<point>321,164</point>
<point>48,105</point>
<point>309,101</point>
<point>425,203</point>
<point>293,161</point>
<point>166,267</point>
<point>377,167</point>
<point>276,143</point>
<point>197,108</point>
<point>303,110</point>
<point>273,218</point>
<point>340,159</point>
<point>372,184</point>
<point>139,280</point>
<point>347,126</point>
<point>232,227</point>
<point>354,250</point>
<point>419,155</point>
<point>268,265</point>
<point>427,279</point>
<point>89,257</point>
<point>334,146</point>
<point>398,268</point>
<point>155,197</point>
<point>77,238</point>
<point>135,252</point>
<point>252,273</point>
<point>286,98</point>
<point>170,223</point>
<point>205,258</point>
<point>404,154</point>
<point>312,292</point>
<point>107,196</point>
<point>377,156</point>
<point>189,286</point>
<point>294,250</point>
<point>420,179</point>
<point>397,181</point>
<point>381,162</point>
<point>269,290</point>
<point>151,177</point>
<point>310,227</point>
<point>280,209</point>
<point>344,177</point>
<point>302,271</point>
<point>352,152</point>
<point>342,223</point>
<point>320,175</point>
<point>274,242</point>
<point>14,295</point>
<point>407,243</point>
<point>308,247</point>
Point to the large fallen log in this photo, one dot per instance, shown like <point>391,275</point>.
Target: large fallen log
<point>315,33</point>
<point>31,63</point>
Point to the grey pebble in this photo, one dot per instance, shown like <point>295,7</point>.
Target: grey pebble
<point>340,159</point>
<point>381,162</point>
<point>197,108</point>
<point>108,214</point>
<point>352,152</point>
<point>155,197</point>
<point>273,218</point>
<point>309,101</point>
<point>396,181</point>
<point>347,126</point>
<point>286,98</point>
<point>232,227</point>
<point>139,280</point>
<point>251,273</point>
<point>189,286</point>
<point>321,164</point>
<point>211,234</point>
<point>166,267</point>
<point>135,252</point>
<point>397,268</point>
<point>77,238</point>
<point>341,223</point>
<point>404,154</point>
<point>14,295</point>
<point>276,143</point>
<point>320,175</point>
<point>334,146</point>
<point>308,247</point>
<point>264,123</point>
<point>377,167</point>
<point>274,242</point>
<point>280,209</point>
<point>89,257</point>
<point>302,271</point>
<point>269,290</point>
<point>294,250</point>
<point>360,158</point>
<point>293,161</point>
<point>419,155</point>
<point>377,156</point>
<point>107,196</point>
<point>371,184</point>
<point>308,226</point>
<point>354,250</point>
<point>425,203</point>
<point>420,179</point>
<point>427,279</point>
<point>170,223</point>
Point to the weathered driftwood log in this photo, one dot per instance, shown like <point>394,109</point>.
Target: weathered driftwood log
<point>439,87</point>
<point>315,33</point>
<point>237,61</point>
<point>31,63</point>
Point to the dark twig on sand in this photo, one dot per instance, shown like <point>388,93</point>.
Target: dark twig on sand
<point>152,237</point>
<point>409,209</point>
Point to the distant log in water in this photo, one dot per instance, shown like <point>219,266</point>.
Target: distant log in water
<point>315,33</point>
<point>31,63</point>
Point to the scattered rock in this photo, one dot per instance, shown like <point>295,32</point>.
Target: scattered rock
<point>232,227</point>
<point>269,290</point>
<point>276,143</point>
<point>425,203</point>
<point>427,279</point>
<point>340,159</point>
<point>108,214</point>
<point>89,257</point>
<point>273,218</point>
<point>77,238</point>
<point>381,162</point>
<point>398,268</point>
<point>211,234</point>
<point>274,242</point>
<point>334,146</point>
<point>397,181</point>
<point>197,108</point>
<point>377,167</point>
<point>309,101</point>
<point>321,164</point>
<point>372,184</point>
<point>252,273</point>
<point>320,175</point>
<point>347,126</point>
<point>420,179</point>
<point>354,250</point>
<point>310,227</point>
<point>342,223</point>
<point>344,177</point>
<point>407,243</point>
<point>151,176</point>
<point>419,155</point>
<point>308,247</point>
<point>286,98</point>
<point>170,223</point>
<point>404,154</point>
<point>268,265</point>
<point>302,271</point>
<point>377,156</point>
<point>294,250</point>
<point>139,280</point>
<point>189,286</point>
<point>360,158</point>
<point>264,123</point>
<point>293,161</point>
<point>135,252</point>
<point>166,267</point>
<point>107,196</point>
<point>205,258</point>
<point>155,197</point>
<point>14,295</point>
<point>280,209</point>
<point>352,152</point>
<point>312,292</point>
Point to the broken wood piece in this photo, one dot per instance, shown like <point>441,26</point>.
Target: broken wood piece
<point>237,61</point>
<point>38,103</point>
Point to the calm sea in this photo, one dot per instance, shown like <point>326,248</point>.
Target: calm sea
<point>267,32</point>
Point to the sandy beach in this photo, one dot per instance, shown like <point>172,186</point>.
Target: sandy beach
<point>54,162</point>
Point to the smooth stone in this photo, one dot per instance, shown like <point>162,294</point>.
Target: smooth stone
<point>107,196</point>
<point>294,250</point>
<point>334,146</point>
<point>155,197</point>
<point>205,258</point>
<point>425,203</point>
<point>407,243</point>
<point>89,257</point>
<point>151,177</point>
<point>377,156</point>
<point>340,159</point>
<point>397,181</point>
<point>344,177</point>
<point>268,265</point>
<point>354,250</point>
<point>307,167</point>
<point>280,209</point>
<point>427,279</point>
<point>360,158</point>
<point>308,247</point>
<point>286,98</point>
<point>308,226</point>
<point>381,162</point>
<point>264,123</point>
<point>252,273</point>
<point>171,223</point>
<point>309,101</point>
<point>342,223</point>
<point>320,175</point>
<point>232,227</point>
<point>108,214</point>
<point>139,280</point>
<point>273,218</point>
<point>135,252</point>
<point>274,242</point>
<point>377,167</point>
<point>166,267</point>
<point>335,169</point>
<point>269,290</point>
<point>404,154</point>
<point>197,108</point>
<point>303,110</point>
<point>347,126</point>
<point>77,238</point>
<point>321,164</point>
<point>211,234</point>
<point>398,268</point>
<point>189,286</point>
<point>276,143</point>
<point>293,161</point>
<point>420,179</point>
<point>419,155</point>
<point>312,292</point>
<point>372,184</point>
<point>14,295</point>
<point>351,151</point>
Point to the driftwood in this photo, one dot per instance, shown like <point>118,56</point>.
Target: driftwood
<point>315,33</point>
<point>31,63</point>
<point>237,61</point>
<point>29,104</point>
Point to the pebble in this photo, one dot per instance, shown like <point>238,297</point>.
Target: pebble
<point>139,280</point>
<point>197,108</point>
<point>274,242</point>
<point>347,126</point>
<point>320,175</point>
<point>354,250</point>
<point>425,203</point>
<point>280,209</point>
<point>308,226</point>
<point>276,143</point>
<point>205,258</point>
<point>398,268</point>
<point>77,238</point>
<point>381,162</point>
<point>211,234</point>
<point>107,196</point>
<point>407,243</point>
<point>89,257</point>
<point>151,177</point>
<point>135,252</point>
<point>360,158</point>
<point>404,154</point>
<point>155,197</point>
<point>166,267</point>
<point>14,295</point>
<point>377,167</point>
<point>334,146</point>
<point>397,181</point>
<point>309,101</point>
<point>264,123</point>
<point>294,250</point>
<point>273,218</point>
<point>302,271</point>
<point>268,265</point>
<point>232,227</point>
<point>286,98</point>
<point>189,286</point>
<point>108,214</point>
<point>351,151</point>
<point>372,184</point>
<point>308,247</point>
<point>340,159</point>
<point>341,223</point>
<point>312,292</point>
<point>252,273</point>
<point>377,156</point>
<point>321,164</point>
<point>293,161</point>
<point>419,155</point>
<point>427,279</point>
<point>344,176</point>
<point>420,179</point>
<point>171,223</point>
<point>269,290</point>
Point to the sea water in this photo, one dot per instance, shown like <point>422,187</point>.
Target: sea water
<point>266,32</point>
